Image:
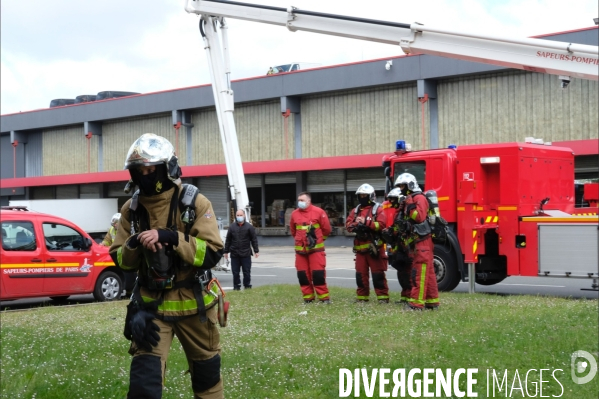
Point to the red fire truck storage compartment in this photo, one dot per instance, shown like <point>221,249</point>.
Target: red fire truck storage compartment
<point>517,174</point>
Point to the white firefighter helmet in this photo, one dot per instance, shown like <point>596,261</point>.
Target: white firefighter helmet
<point>409,180</point>
<point>366,189</point>
<point>395,193</point>
<point>151,149</point>
<point>115,219</point>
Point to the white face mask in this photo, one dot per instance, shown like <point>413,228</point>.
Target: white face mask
<point>302,204</point>
<point>240,219</point>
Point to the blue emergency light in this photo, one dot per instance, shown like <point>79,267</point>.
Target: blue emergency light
<point>452,146</point>
<point>400,145</point>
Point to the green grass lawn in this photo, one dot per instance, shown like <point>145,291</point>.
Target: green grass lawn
<point>277,347</point>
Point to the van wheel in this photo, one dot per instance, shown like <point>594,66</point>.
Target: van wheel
<point>59,298</point>
<point>108,287</point>
<point>448,276</point>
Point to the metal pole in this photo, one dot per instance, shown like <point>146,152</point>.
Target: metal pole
<point>471,278</point>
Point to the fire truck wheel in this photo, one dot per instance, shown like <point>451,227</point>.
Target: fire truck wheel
<point>448,276</point>
<point>490,281</point>
<point>108,287</point>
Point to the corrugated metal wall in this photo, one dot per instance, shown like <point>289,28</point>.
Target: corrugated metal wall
<point>499,107</point>
<point>510,106</point>
<point>33,155</point>
<point>118,136</point>
<point>6,158</point>
<point>65,151</point>
<point>260,132</point>
<point>360,122</point>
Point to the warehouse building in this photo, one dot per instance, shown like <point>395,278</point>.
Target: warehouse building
<point>323,130</point>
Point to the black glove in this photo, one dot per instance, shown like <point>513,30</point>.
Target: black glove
<point>405,226</point>
<point>387,236</point>
<point>143,330</point>
<point>168,237</point>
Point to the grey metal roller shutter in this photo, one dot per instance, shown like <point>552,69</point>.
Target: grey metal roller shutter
<point>326,181</point>
<point>116,190</point>
<point>586,166</point>
<point>33,155</point>
<point>252,181</point>
<point>67,192</point>
<point>90,190</point>
<point>43,192</point>
<point>373,176</point>
<point>279,178</point>
<point>215,189</point>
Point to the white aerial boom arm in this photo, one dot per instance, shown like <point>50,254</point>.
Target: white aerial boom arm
<point>536,55</point>
<point>220,71</point>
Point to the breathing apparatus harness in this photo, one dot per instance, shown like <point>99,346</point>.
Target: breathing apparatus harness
<point>364,233</point>
<point>434,224</point>
<point>163,264</point>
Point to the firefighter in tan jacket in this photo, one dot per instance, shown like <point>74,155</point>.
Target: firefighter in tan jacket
<point>111,234</point>
<point>175,294</point>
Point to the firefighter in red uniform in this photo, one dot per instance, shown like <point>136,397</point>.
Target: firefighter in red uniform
<point>367,220</point>
<point>310,227</point>
<point>415,233</point>
<point>398,258</point>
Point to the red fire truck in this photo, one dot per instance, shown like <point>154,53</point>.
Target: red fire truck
<point>44,255</point>
<point>509,205</point>
<point>510,210</point>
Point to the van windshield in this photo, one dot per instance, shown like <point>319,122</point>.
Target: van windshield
<point>282,68</point>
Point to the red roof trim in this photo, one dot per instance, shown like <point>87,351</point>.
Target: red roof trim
<point>290,165</point>
<point>580,147</point>
<point>564,32</point>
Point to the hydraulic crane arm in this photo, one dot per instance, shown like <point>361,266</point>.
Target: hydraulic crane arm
<point>218,60</point>
<point>536,55</point>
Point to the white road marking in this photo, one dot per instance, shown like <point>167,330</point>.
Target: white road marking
<point>341,278</point>
<point>526,285</point>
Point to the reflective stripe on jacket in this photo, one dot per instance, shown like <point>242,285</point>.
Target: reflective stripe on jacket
<point>299,224</point>
<point>196,250</point>
<point>375,226</point>
<point>415,208</point>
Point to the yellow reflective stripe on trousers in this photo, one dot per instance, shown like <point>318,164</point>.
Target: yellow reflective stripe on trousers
<point>323,296</point>
<point>382,297</point>
<point>180,306</point>
<point>309,296</point>
<point>422,281</point>
<point>364,298</point>
<point>436,300</point>
<point>119,258</point>
<point>198,259</point>
<point>363,246</point>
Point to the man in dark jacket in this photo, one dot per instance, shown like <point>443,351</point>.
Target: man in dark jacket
<point>241,238</point>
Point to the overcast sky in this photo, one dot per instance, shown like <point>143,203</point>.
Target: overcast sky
<point>65,48</point>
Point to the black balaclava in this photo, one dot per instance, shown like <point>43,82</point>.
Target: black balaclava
<point>404,190</point>
<point>153,183</point>
<point>394,201</point>
<point>365,201</point>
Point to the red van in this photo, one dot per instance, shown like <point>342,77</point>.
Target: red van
<point>44,255</point>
